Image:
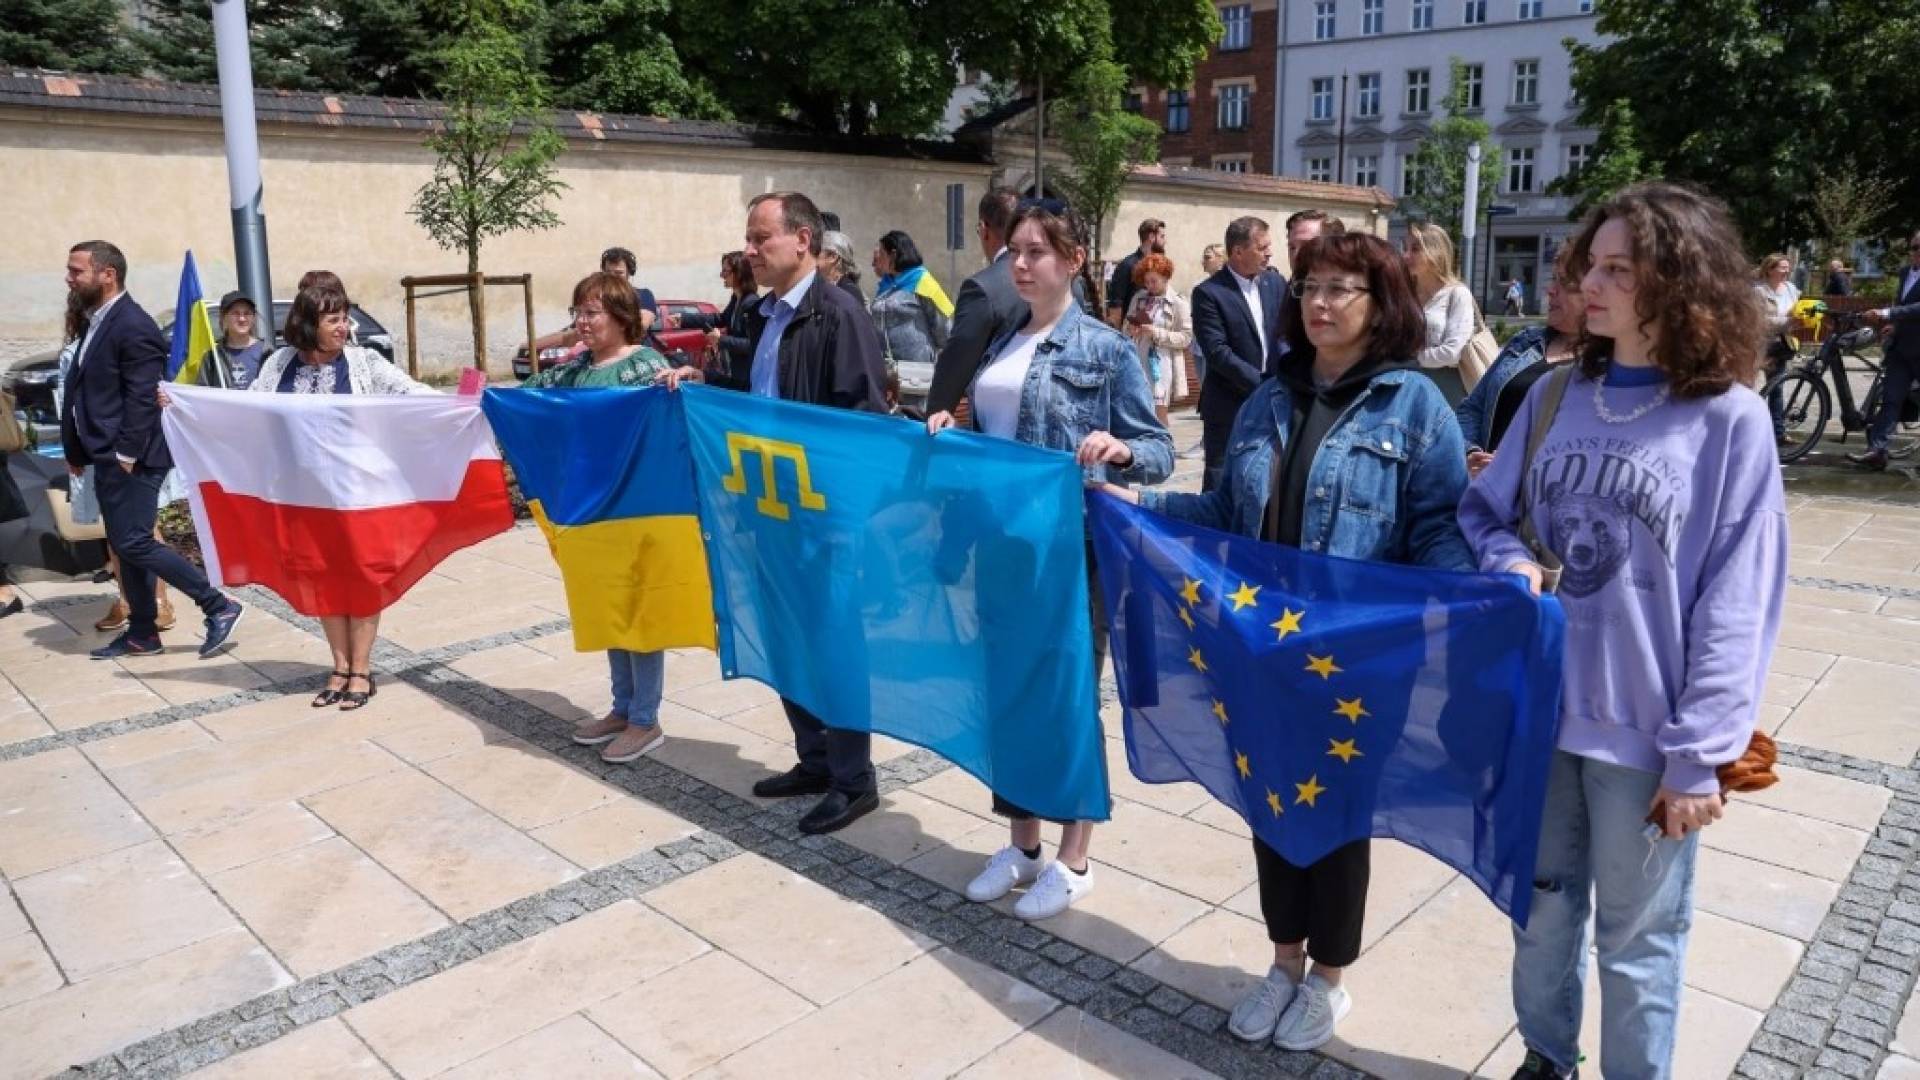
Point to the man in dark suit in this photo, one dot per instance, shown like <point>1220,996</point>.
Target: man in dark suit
<point>1236,320</point>
<point>811,342</point>
<point>110,418</point>
<point>1901,363</point>
<point>986,308</point>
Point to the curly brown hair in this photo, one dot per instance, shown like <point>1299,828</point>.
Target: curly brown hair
<point>1693,288</point>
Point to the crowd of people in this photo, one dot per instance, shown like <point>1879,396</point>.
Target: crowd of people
<point>1639,480</point>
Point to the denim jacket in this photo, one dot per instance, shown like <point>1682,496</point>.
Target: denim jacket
<point>1475,411</point>
<point>1383,486</point>
<point>1085,378</point>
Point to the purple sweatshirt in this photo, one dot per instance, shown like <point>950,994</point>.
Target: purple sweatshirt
<point>1672,529</point>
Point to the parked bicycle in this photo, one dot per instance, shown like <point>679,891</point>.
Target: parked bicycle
<point>1806,402</point>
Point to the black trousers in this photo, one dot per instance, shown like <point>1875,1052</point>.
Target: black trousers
<point>129,502</point>
<point>1324,905</point>
<point>1214,431</point>
<point>1899,374</point>
<point>846,756</point>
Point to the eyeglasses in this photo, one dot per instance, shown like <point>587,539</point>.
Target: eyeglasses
<point>578,313</point>
<point>1335,293</point>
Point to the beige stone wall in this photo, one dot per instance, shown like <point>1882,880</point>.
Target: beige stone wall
<point>338,199</point>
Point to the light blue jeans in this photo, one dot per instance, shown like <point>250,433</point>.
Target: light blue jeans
<point>1595,860</point>
<point>639,678</point>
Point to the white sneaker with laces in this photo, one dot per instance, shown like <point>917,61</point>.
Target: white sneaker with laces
<point>1308,1023</point>
<point>1006,869</point>
<point>1257,1014</point>
<point>1055,891</point>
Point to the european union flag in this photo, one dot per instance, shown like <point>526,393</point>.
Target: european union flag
<point>931,589</point>
<point>1327,700</point>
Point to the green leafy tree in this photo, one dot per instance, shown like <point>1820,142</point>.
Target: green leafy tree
<point>1104,142</point>
<point>66,35</point>
<point>384,47</point>
<point>1161,42</point>
<point>1439,187</point>
<point>1617,162</point>
<point>617,56</point>
<point>496,147</point>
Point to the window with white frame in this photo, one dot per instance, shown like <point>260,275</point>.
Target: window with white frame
<point>1179,111</point>
<point>1409,174</point>
<point>1474,13</point>
<point>1373,16</point>
<point>1236,100</point>
<point>1237,20</point>
<point>1323,13</point>
<point>1579,156</point>
<point>1519,170</point>
<point>1526,82</point>
<point>1321,98</point>
<point>1231,164</point>
<point>1366,170</point>
<point>1321,169</point>
<point>1532,9</point>
<point>1422,15</point>
<point>1473,78</point>
<point>1420,90</point>
<point>1367,101</point>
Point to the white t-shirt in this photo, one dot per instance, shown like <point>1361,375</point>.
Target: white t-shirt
<point>997,389</point>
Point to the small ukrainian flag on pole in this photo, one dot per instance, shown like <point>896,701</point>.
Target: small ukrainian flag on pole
<point>193,340</point>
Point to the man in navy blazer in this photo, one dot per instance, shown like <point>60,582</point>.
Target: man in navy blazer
<point>1902,356</point>
<point>110,419</point>
<point>1236,321</point>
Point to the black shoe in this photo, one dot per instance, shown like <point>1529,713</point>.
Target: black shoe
<point>1872,459</point>
<point>795,781</point>
<point>12,607</point>
<point>220,627</point>
<point>128,645</point>
<point>1537,1067</point>
<point>837,811</point>
<point>101,577</point>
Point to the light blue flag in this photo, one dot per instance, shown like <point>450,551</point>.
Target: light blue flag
<point>930,589</point>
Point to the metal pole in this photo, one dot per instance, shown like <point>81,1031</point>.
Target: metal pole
<point>1039,135</point>
<point>1340,168</point>
<point>243,155</point>
<point>1470,211</point>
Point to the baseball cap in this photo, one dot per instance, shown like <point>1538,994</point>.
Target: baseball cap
<point>234,297</point>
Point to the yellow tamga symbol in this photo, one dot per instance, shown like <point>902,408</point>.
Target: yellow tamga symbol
<point>770,450</point>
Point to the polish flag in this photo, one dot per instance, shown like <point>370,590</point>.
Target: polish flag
<point>339,503</point>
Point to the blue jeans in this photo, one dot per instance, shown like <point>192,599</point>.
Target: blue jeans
<point>1594,859</point>
<point>639,678</point>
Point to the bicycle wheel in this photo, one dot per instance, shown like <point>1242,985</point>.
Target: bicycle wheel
<point>1900,451</point>
<point>1805,405</point>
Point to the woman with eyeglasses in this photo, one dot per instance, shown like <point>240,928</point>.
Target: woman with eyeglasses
<point>1067,381</point>
<point>1488,411</point>
<point>1349,451</point>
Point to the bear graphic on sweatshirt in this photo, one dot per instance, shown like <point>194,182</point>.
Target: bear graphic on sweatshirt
<point>1592,534</point>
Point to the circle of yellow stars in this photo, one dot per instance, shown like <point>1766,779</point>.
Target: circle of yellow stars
<point>1353,710</point>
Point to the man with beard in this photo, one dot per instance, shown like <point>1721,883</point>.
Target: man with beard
<point>110,418</point>
<point>1120,287</point>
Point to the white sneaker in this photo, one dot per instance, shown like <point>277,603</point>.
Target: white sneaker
<point>1308,1022</point>
<point>1257,1014</point>
<point>1007,868</point>
<point>1054,892</point>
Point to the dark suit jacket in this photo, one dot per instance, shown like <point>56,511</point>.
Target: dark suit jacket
<point>830,353</point>
<point>987,308</point>
<point>1904,316</point>
<point>1223,325</point>
<point>111,407</point>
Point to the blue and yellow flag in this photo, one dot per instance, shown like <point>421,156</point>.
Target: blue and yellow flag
<point>606,475</point>
<point>931,589</point>
<point>1328,700</point>
<point>193,338</point>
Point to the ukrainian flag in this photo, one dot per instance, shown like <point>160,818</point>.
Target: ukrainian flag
<point>606,474</point>
<point>193,339</point>
<point>921,283</point>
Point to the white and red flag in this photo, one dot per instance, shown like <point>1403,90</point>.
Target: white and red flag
<point>339,503</point>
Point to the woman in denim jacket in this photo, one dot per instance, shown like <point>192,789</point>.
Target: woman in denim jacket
<point>1486,412</point>
<point>1066,381</point>
<point>1349,450</point>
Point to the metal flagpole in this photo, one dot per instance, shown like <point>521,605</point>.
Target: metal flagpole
<point>1470,211</point>
<point>243,156</point>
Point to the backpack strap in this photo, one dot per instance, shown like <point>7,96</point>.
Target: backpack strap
<point>1547,408</point>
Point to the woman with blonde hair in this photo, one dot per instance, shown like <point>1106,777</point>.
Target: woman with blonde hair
<point>1450,311</point>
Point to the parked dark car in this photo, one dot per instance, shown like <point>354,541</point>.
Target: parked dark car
<point>681,347</point>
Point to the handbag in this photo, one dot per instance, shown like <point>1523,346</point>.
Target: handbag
<point>1543,556</point>
<point>1481,351</point>
<point>13,437</point>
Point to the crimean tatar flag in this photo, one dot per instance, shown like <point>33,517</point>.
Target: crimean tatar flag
<point>339,503</point>
<point>193,338</point>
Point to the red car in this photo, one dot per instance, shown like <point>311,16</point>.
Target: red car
<point>681,347</point>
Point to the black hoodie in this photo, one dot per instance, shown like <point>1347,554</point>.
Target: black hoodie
<point>1315,409</point>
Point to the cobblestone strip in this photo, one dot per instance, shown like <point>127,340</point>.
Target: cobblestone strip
<point>1831,585</point>
<point>270,1016</point>
<point>158,717</point>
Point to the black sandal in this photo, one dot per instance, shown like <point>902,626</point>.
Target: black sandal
<point>353,699</point>
<point>328,695</point>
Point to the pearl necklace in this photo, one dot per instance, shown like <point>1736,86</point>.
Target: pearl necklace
<point>1608,415</point>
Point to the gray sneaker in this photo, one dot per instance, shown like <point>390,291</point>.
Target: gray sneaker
<point>1308,1022</point>
<point>1254,1018</point>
